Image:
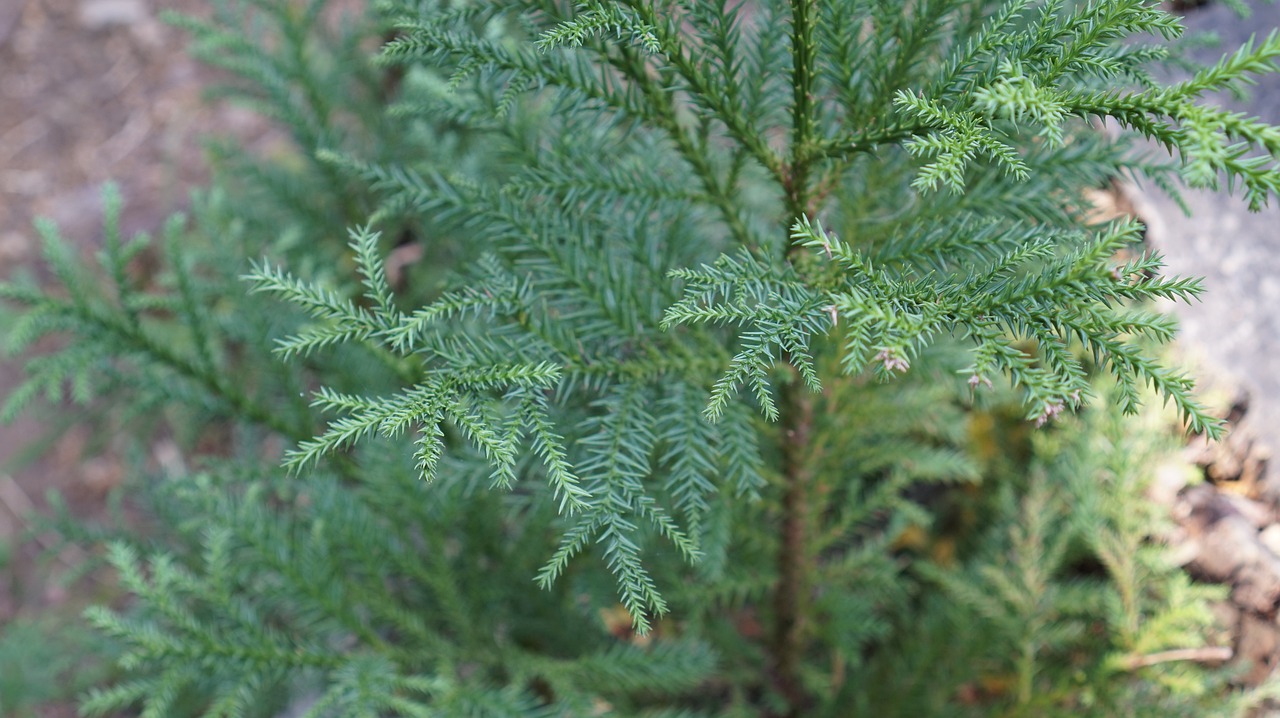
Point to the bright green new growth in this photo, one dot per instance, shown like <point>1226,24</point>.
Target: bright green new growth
<point>669,248</point>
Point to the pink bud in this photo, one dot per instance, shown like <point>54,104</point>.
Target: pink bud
<point>892,362</point>
<point>1051,411</point>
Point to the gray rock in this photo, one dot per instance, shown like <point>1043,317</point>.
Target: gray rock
<point>1270,537</point>
<point>104,14</point>
<point>1259,646</point>
<point>1228,546</point>
<point>1237,324</point>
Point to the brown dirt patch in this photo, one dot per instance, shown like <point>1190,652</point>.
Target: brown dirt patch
<point>91,91</point>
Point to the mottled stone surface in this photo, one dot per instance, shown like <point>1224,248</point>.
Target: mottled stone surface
<point>1235,330</point>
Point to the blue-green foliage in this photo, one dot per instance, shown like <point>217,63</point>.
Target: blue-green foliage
<point>706,291</point>
<point>41,657</point>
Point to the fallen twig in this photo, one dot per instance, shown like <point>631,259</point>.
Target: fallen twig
<point>1204,654</point>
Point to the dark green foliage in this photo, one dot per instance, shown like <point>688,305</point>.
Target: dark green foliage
<point>675,414</point>
<point>42,658</point>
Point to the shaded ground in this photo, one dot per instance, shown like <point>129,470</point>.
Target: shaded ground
<point>90,91</point>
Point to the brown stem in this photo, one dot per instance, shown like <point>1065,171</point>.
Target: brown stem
<point>791,596</point>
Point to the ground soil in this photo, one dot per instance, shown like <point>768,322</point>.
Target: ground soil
<point>91,91</point>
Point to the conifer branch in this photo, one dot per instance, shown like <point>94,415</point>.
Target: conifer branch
<point>706,94</point>
<point>720,195</point>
